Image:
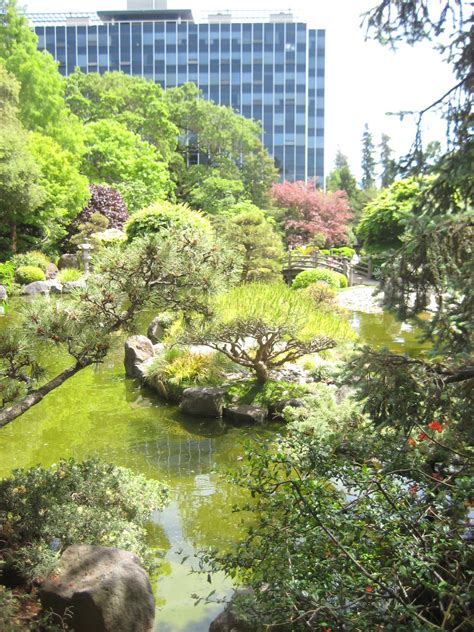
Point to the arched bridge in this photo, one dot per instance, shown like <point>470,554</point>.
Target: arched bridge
<point>360,272</point>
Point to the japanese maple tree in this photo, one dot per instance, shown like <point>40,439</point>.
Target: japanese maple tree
<point>311,212</point>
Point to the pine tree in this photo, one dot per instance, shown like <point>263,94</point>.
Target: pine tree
<point>387,164</point>
<point>368,160</point>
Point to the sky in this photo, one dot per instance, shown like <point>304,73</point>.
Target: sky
<point>364,80</point>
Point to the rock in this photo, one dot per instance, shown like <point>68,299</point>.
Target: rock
<point>37,287</point>
<point>51,271</point>
<point>159,326</point>
<point>140,369</point>
<point>54,286</point>
<point>137,350</point>
<point>3,294</point>
<point>245,414</point>
<point>275,410</point>
<point>69,286</point>
<point>234,619</point>
<point>203,401</point>
<point>106,589</point>
<point>68,261</point>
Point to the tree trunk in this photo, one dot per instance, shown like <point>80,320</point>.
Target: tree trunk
<point>9,414</point>
<point>13,237</point>
<point>262,372</point>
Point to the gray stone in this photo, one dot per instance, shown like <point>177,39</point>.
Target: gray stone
<point>137,350</point>
<point>203,401</point>
<point>51,271</point>
<point>158,327</point>
<point>3,294</point>
<point>68,261</point>
<point>140,369</point>
<point>37,287</point>
<point>106,590</point>
<point>54,286</point>
<point>234,618</point>
<point>69,286</point>
<point>245,414</point>
<point>275,410</point>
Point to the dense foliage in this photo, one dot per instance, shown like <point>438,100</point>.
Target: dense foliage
<point>383,220</point>
<point>254,235</point>
<point>334,280</point>
<point>44,510</point>
<point>312,214</point>
<point>162,216</point>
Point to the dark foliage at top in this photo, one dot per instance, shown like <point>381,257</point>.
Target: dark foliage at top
<point>106,201</point>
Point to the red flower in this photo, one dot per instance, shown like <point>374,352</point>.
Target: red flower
<point>413,489</point>
<point>422,436</point>
<point>435,425</point>
<point>369,589</point>
<point>411,442</point>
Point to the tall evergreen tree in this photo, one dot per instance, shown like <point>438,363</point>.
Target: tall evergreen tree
<point>368,160</point>
<point>387,164</point>
<point>341,178</point>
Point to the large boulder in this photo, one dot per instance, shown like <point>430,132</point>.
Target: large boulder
<point>69,286</point>
<point>54,286</point>
<point>68,261</point>
<point>203,401</point>
<point>137,350</point>
<point>3,293</point>
<point>35,288</point>
<point>246,414</point>
<point>105,589</point>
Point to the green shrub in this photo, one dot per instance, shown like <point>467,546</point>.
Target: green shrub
<point>45,510</point>
<point>178,369</point>
<point>33,258</point>
<point>308,277</point>
<point>344,251</point>
<point>28,274</point>
<point>163,215</point>
<point>325,251</point>
<point>251,392</point>
<point>69,274</point>
<point>6,274</point>
<point>321,293</point>
<point>342,279</point>
<point>321,414</point>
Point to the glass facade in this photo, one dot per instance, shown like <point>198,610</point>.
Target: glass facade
<point>272,72</point>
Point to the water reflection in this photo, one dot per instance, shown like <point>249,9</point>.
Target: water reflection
<point>384,330</point>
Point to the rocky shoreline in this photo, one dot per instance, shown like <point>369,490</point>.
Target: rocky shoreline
<point>361,298</point>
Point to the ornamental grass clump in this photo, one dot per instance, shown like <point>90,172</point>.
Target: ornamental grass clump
<point>177,369</point>
<point>264,326</point>
<point>69,274</point>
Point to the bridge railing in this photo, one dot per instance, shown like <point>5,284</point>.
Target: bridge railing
<point>296,262</point>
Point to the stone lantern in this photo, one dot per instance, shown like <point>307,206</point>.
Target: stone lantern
<point>86,248</point>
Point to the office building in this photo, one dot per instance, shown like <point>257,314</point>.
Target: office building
<point>268,67</point>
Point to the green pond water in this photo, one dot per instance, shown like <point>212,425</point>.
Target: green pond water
<point>101,413</point>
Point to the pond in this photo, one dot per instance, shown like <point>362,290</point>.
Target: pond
<point>101,413</point>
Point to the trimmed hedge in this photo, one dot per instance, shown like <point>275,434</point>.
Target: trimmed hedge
<point>28,274</point>
<point>304,279</point>
<point>162,215</point>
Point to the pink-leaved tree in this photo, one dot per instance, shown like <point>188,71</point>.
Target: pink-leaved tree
<point>312,214</point>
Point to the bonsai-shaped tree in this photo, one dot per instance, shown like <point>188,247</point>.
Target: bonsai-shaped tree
<point>264,326</point>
